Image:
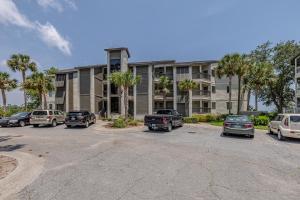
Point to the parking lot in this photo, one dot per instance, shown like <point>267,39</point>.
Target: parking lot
<point>192,162</point>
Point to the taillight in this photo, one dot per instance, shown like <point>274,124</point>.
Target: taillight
<point>248,125</point>
<point>49,117</point>
<point>226,124</point>
<point>164,120</point>
<point>286,122</point>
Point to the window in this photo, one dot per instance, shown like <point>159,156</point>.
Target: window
<point>227,89</point>
<point>56,113</point>
<point>228,105</point>
<point>213,73</point>
<point>50,112</point>
<point>278,118</point>
<point>50,94</point>
<point>213,105</point>
<point>182,70</point>
<point>295,119</point>
<point>50,106</point>
<point>213,89</point>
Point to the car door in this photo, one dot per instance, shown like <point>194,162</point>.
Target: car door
<point>274,125</point>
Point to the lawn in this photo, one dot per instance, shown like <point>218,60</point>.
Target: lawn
<point>220,123</point>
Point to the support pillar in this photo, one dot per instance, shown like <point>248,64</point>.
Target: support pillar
<point>150,90</point>
<point>134,94</point>
<point>190,94</point>
<point>92,90</point>
<point>67,93</point>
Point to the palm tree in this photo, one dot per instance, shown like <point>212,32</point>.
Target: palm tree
<point>6,84</point>
<point>164,84</point>
<point>124,80</point>
<point>241,71</point>
<point>187,86</point>
<point>227,67</point>
<point>21,63</point>
<point>40,84</point>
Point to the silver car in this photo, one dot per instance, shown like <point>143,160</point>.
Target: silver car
<point>46,117</point>
<point>238,125</point>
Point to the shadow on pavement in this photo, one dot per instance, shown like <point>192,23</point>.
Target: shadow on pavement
<point>240,137</point>
<point>11,147</point>
<point>288,140</point>
<point>8,137</point>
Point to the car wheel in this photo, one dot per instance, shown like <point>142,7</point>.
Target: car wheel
<point>94,121</point>
<point>280,136</point>
<point>150,129</point>
<point>21,123</point>
<point>54,123</point>
<point>35,125</point>
<point>69,126</point>
<point>169,128</point>
<point>251,136</point>
<point>270,131</point>
<point>224,134</point>
<point>87,124</point>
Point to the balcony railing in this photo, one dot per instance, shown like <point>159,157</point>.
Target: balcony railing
<point>158,75</point>
<point>59,83</point>
<point>60,99</point>
<point>201,110</point>
<point>201,76</point>
<point>205,93</point>
<point>159,93</point>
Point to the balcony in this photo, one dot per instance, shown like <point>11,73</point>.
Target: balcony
<point>159,95</point>
<point>201,76</point>
<point>60,99</point>
<point>181,77</point>
<point>205,93</point>
<point>59,83</point>
<point>158,75</point>
<point>200,110</point>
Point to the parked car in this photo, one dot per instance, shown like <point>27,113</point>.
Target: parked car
<point>19,119</point>
<point>80,118</point>
<point>47,117</point>
<point>286,125</point>
<point>238,125</point>
<point>274,124</point>
<point>165,119</point>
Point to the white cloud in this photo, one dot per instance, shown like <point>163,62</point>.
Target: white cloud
<point>9,14</point>
<point>57,4</point>
<point>50,36</point>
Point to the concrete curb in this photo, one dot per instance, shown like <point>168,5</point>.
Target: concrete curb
<point>28,169</point>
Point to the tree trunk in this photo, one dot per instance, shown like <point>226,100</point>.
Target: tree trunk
<point>3,99</point>
<point>230,83</point>
<point>165,103</point>
<point>256,100</point>
<point>248,100</point>
<point>45,101</point>
<point>24,92</point>
<point>239,95</point>
<point>126,102</point>
<point>40,100</point>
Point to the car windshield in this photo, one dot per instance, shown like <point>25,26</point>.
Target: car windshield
<point>295,119</point>
<point>75,113</point>
<point>237,118</point>
<point>21,114</point>
<point>164,112</point>
<point>40,112</point>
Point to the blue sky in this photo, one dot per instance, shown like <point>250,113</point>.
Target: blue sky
<point>66,33</point>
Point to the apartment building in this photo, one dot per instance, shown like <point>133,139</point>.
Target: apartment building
<point>89,88</point>
<point>296,62</point>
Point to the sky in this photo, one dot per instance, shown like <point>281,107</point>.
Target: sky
<point>68,33</point>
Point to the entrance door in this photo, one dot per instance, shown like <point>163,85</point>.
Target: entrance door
<point>115,104</point>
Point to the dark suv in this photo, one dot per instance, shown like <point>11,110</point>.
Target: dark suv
<point>80,118</point>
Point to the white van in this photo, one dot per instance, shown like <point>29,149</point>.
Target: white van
<point>286,125</point>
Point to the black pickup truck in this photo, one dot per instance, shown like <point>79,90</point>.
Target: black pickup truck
<point>164,119</point>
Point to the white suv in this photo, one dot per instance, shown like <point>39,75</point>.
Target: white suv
<point>286,125</point>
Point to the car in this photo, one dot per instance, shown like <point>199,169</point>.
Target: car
<point>47,117</point>
<point>274,124</point>
<point>80,118</point>
<point>19,119</point>
<point>286,125</point>
<point>165,119</point>
<point>238,125</point>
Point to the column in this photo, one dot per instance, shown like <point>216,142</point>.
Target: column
<point>174,89</point>
<point>108,85</point>
<point>134,94</point>
<point>190,94</point>
<point>76,90</point>
<point>150,91</point>
<point>67,92</point>
<point>92,90</point>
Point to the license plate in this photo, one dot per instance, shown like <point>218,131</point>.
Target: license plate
<point>237,126</point>
<point>153,125</point>
<point>73,118</point>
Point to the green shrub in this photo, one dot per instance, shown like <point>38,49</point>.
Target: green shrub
<point>119,123</point>
<point>190,120</point>
<point>133,122</point>
<point>200,118</point>
<point>206,117</point>
<point>261,121</point>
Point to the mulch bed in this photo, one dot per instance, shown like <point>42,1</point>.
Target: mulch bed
<point>7,165</point>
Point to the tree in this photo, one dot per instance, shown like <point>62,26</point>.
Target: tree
<point>124,80</point>
<point>164,84</point>
<point>187,86</point>
<point>6,84</point>
<point>21,63</point>
<point>241,70</point>
<point>40,84</point>
<point>278,89</point>
<point>227,67</point>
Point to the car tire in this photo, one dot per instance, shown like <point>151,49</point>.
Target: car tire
<point>94,121</point>
<point>87,124</point>
<point>224,134</point>
<point>280,136</point>
<point>150,129</point>
<point>21,123</point>
<point>54,123</point>
<point>69,126</point>
<point>35,125</point>
<point>169,128</point>
<point>251,136</point>
<point>270,131</point>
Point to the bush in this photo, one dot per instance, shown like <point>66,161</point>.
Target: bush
<point>261,121</point>
<point>119,123</point>
<point>133,122</point>
<point>206,117</point>
<point>190,120</point>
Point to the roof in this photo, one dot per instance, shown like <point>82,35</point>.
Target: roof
<point>157,62</point>
<point>118,49</point>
